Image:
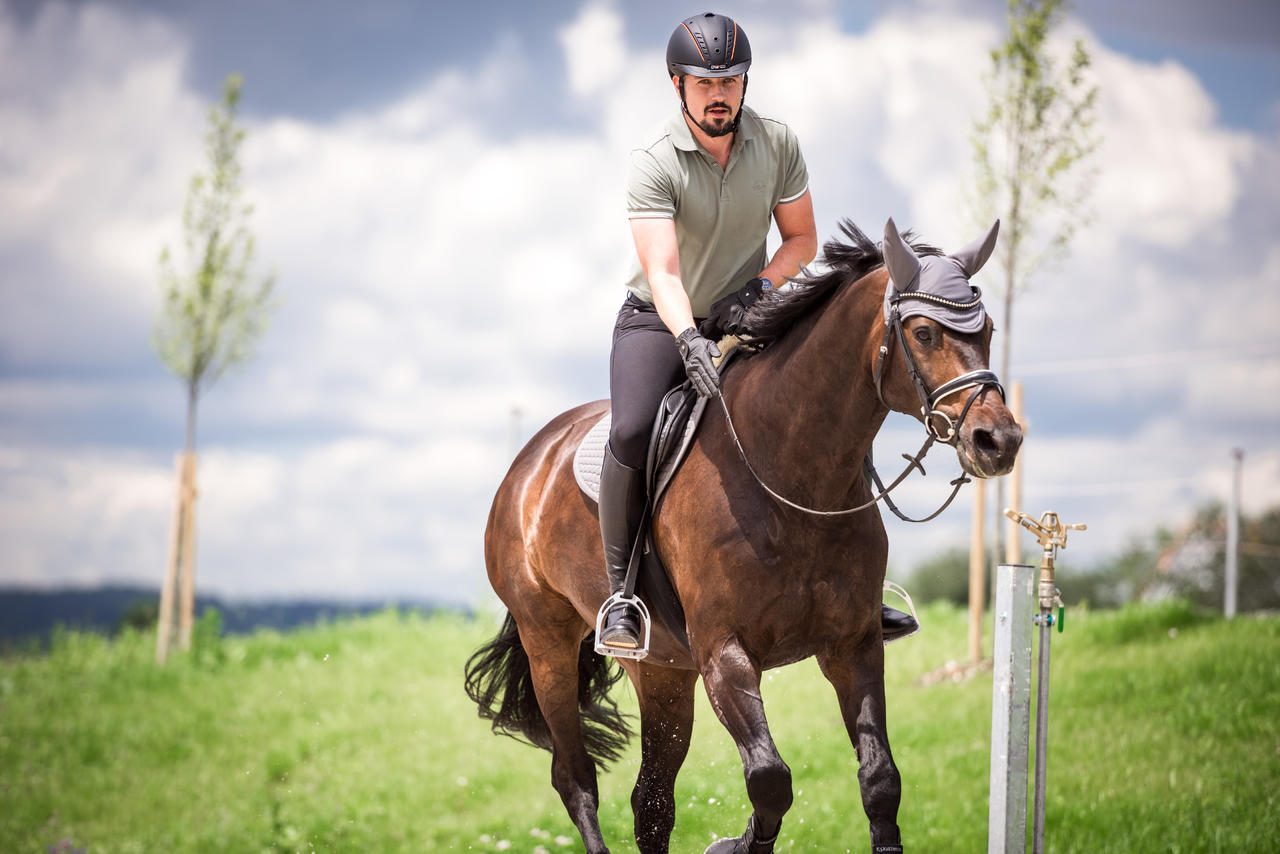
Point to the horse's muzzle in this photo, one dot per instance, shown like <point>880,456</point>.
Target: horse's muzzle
<point>989,448</point>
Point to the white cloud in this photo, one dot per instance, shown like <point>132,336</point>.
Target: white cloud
<point>81,516</point>
<point>349,518</point>
<point>879,138</point>
<point>352,517</point>
<point>593,48</point>
<point>99,137</point>
<point>1170,172</point>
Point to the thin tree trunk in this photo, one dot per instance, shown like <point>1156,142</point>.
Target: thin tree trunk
<point>187,577</point>
<point>1006,344</point>
<point>1012,554</point>
<point>193,394</point>
<point>1014,241</point>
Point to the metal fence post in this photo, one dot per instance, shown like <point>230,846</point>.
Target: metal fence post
<point>1011,709</point>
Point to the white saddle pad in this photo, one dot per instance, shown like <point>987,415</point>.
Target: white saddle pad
<point>589,457</point>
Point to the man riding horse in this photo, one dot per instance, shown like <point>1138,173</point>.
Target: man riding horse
<point>700,195</point>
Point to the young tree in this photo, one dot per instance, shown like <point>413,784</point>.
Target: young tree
<point>212,314</point>
<point>1031,152</point>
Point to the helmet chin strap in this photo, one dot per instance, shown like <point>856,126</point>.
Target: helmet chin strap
<point>737,120</point>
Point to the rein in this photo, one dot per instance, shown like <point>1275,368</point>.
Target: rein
<point>912,463</point>
<point>978,380</point>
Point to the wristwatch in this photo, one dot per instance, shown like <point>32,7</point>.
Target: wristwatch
<point>765,284</point>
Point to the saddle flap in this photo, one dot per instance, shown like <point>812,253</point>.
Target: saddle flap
<point>676,424</point>
<point>670,441</point>
<point>673,432</point>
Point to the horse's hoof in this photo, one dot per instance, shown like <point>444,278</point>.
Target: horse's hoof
<point>748,843</point>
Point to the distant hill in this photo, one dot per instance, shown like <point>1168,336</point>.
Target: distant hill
<point>27,615</point>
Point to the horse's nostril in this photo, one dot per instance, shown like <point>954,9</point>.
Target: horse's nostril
<point>984,442</point>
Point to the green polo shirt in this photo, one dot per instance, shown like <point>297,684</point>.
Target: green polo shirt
<point>722,216</point>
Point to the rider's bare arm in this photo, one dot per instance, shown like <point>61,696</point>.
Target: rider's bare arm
<point>655,241</point>
<point>799,239</point>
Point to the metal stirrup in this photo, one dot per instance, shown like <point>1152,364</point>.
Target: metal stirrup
<point>621,598</point>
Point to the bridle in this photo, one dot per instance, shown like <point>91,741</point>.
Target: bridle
<point>979,381</point>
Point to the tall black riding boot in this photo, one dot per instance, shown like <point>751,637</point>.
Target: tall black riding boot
<point>622,500</point>
<point>896,625</point>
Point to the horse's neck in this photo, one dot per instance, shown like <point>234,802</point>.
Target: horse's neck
<point>808,404</point>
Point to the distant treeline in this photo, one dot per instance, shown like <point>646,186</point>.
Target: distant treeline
<point>30,616</point>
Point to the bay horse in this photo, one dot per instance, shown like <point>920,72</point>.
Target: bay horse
<point>763,582</point>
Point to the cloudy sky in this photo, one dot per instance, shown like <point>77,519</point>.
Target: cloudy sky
<point>439,187</point>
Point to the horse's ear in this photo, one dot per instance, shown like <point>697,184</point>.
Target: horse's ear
<point>902,262</point>
<point>973,256</point>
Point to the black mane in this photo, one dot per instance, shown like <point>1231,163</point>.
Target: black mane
<point>777,311</point>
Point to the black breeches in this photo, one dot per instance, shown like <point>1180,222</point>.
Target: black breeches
<point>643,366</point>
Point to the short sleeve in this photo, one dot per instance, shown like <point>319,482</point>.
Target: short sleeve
<point>795,174</point>
<point>650,193</point>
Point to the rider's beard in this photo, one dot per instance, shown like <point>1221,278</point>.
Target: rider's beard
<point>714,126</point>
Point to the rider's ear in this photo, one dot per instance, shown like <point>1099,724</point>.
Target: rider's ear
<point>903,264</point>
<point>972,257</point>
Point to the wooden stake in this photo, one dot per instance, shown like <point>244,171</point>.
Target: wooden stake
<point>164,624</point>
<point>977,564</point>
<point>186,612</point>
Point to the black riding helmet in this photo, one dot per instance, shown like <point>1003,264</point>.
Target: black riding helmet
<point>708,45</point>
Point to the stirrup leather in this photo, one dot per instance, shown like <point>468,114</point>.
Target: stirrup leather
<point>620,598</point>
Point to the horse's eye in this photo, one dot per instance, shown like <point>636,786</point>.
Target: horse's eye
<point>924,335</point>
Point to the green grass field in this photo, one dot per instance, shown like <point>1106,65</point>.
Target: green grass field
<point>356,736</point>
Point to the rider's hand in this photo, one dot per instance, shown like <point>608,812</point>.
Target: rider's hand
<point>697,353</point>
<point>729,313</point>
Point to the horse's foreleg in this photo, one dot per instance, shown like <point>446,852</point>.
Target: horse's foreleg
<point>858,677</point>
<point>733,685</point>
<point>666,725</point>
<point>554,665</point>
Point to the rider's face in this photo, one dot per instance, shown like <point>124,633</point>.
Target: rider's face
<point>713,102</point>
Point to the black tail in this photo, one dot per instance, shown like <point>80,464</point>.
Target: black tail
<point>498,679</point>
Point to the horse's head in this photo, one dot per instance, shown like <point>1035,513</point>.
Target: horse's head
<point>935,318</point>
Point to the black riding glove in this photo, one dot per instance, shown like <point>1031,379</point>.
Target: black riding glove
<point>697,353</point>
<point>727,313</point>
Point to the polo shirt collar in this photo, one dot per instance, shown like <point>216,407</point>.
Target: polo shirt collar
<point>682,136</point>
